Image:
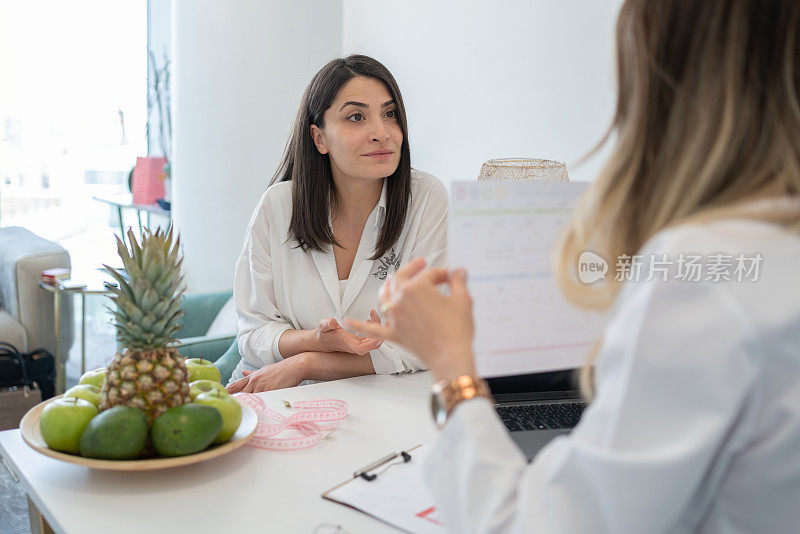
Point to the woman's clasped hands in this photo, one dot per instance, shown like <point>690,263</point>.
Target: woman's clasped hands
<point>284,374</point>
<point>437,328</point>
<point>327,340</point>
<point>331,337</point>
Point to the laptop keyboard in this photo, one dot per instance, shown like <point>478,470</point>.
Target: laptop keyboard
<point>541,416</point>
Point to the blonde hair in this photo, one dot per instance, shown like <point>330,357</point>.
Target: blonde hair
<point>707,120</point>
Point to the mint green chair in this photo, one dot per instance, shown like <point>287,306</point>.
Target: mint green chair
<point>200,310</point>
<point>228,362</point>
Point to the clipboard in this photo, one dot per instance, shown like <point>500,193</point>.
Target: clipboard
<point>391,490</point>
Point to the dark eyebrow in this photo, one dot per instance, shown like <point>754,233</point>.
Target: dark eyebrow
<point>351,103</point>
<point>363,105</point>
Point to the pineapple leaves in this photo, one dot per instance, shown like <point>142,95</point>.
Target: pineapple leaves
<point>148,299</point>
<point>130,310</point>
<point>136,251</point>
<point>173,324</point>
<point>148,321</point>
<point>147,304</point>
<point>124,287</point>
<point>161,308</point>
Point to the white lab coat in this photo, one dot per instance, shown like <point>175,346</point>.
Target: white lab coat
<point>278,286</point>
<point>696,422</point>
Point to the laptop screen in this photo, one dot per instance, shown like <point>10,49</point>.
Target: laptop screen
<point>535,386</point>
<point>503,234</point>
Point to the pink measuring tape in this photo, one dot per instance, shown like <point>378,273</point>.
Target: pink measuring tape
<point>316,419</point>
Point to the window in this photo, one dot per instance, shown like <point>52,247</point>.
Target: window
<point>72,111</point>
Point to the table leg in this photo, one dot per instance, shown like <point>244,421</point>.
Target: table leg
<point>83,332</point>
<point>61,379</point>
<point>39,524</point>
<point>121,224</point>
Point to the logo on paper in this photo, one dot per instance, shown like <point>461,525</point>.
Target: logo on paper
<point>591,267</point>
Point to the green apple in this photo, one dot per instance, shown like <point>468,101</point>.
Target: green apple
<point>200,369</point>
<point>228,408</point>
<point>86,392</point>
<point>204,386</point>
<point>94,378</point>
<point>63,421</point>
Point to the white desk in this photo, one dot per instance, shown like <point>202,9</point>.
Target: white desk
<point>247,490</point>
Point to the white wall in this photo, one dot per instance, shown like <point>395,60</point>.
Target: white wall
<point>481,79</point>
<point>239,71</point>
<point>159,42</point>
<point>485,79</point>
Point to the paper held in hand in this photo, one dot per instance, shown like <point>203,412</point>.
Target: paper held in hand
<point>504,233</point>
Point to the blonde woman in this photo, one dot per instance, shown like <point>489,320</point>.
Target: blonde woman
<point>695,420</point>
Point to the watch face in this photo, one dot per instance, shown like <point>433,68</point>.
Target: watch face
<point>438,408</point>
<point>441,417</point>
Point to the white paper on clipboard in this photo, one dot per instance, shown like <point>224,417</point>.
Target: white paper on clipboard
<point>397,496</point>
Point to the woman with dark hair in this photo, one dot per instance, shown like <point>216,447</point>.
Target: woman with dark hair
<point>344,211</point>
<point>694,424</point>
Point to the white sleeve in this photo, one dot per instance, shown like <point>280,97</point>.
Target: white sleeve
<point>260,322</point>
<point>673,378</point>
<point>429,242</point>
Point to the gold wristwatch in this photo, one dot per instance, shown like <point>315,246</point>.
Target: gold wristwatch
<point>445,394</point>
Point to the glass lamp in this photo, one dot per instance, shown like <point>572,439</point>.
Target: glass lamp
<point>539,170</point>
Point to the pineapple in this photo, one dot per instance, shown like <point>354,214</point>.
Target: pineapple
<point>146,373</point>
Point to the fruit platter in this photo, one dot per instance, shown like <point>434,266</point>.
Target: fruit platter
<point>150,408</point>
<point>32,435</point>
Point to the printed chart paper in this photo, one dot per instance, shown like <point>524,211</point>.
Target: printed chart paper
<point>503,234</point>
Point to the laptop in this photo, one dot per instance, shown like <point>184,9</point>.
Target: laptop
<point>529,341</point>
<point>537,407</point>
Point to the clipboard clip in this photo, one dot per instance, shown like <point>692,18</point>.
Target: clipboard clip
<point>364,472</point>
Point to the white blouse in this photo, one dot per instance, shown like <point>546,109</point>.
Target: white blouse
<point>696,422</point>
<point>278,286</point>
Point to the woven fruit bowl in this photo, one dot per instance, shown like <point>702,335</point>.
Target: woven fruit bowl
<point>29,426</point>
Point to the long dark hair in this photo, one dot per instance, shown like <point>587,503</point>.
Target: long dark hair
<point>310,172</point>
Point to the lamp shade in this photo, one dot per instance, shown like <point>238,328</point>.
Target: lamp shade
<point>147,184</point>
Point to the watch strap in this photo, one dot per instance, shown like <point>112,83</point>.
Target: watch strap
<point>463,388</point>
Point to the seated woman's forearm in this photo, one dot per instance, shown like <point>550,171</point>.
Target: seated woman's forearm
<point>335,365</point>
<point>293,342</point>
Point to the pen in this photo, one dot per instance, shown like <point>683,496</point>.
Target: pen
<point>375,464</point>
<point>364,471</point>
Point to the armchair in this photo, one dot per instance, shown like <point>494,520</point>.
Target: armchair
<point>228,362</point>
<point>200,311</point>
<point>26,310</point>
